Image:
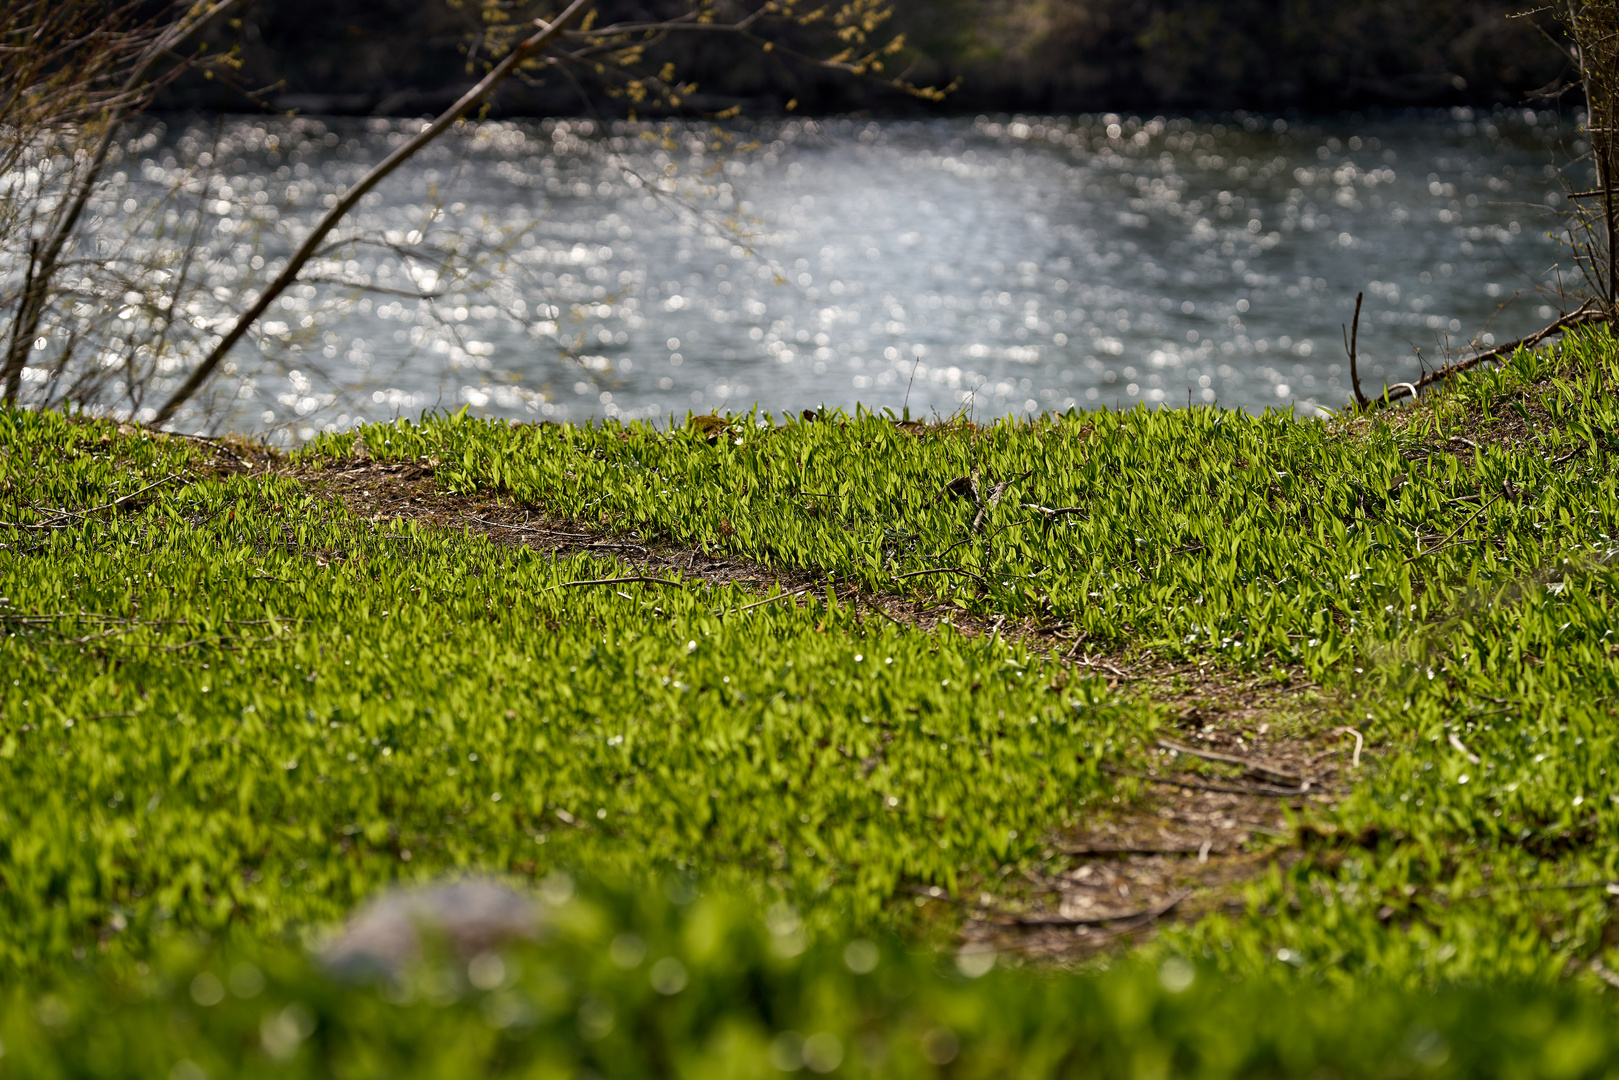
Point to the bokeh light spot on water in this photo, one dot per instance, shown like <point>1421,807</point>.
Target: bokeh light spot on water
<point>988,266</point>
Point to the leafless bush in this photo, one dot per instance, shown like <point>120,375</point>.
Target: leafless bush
<point>1594,28</point>
<point>76,72</point>
<point>129,293</point>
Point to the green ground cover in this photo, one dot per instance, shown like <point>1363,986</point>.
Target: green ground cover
<point>232,710</point>
<point>1182,531</point>
<point>241,705</point>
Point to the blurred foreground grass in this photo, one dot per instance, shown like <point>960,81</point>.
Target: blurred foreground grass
<point>231,711</point>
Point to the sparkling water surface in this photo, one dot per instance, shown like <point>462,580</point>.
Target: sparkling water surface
<point>988,266</point>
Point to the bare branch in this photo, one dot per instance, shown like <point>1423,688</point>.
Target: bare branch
<point>1585,314</point>
<point>312,242</point>
<point>32,306</point>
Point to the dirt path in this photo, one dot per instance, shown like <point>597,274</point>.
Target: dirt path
<point>1213,812</point>
<point>383,491</point>
<point>1214,794</point>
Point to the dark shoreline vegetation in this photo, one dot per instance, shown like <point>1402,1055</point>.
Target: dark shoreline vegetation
<point>764,807</point>
<point>406,57</point>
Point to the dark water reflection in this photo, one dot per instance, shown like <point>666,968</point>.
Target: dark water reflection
<point>998,266</point>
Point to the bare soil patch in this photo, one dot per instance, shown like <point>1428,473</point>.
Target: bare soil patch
<point>1216,807</point>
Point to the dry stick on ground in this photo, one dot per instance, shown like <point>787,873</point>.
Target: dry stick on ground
<point>562,537</point>
<point>42,270</point>
<point>1461,748</point>
<point>1610,887</point>
<point>549,533</point>
<point>289,274</point>
<point>1052,513</point>
<point>50,522</point>
<point>1102,851</point>
<point>209,441</point>
<point>942,570</point>
<point>1204,785</point>
<point>1257,769</point>
<point>1468,521</point>
<point>1145,916</point>
<point>1603,972</point>
<point>984,508</point>
<point>783,596</point>
<point>1104,665</point>
<point>629,580</point>
<point>1586,313</point>
<point>1360,742</point>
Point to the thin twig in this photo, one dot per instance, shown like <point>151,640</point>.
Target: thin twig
<point>1254,768</point>
<point>630,580</point>
<point>1105,666</point>
<point>1079,640</point>
<point>1568,457</point>
<point>528,529</point>
<point>942,570</point>
<point>217,444</point>
<point>1360,741</point>
<point>1054,512</point>
<point>1461,748</point>
<point>1126,852</point>
<point>1203,785</point>
<point>1352,344</point>
<point>1144,916</point>
<point>772,599</point>
<point>1603,972</point>
<point>1611,887</point>
<point>984,508</point>
<point>879,609</point>
<point>1585,313</point>
<point>1470,518</point>
<point>60,515</point>
<point>289,274</point>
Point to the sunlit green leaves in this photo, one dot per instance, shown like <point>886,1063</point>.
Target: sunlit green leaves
<point>237,707</point>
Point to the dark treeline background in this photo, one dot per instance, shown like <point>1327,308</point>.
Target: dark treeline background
<point>405,57</point>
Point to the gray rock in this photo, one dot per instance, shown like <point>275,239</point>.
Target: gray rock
<point>467,917</point>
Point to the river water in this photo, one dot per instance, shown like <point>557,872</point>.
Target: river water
<point>992,266</point>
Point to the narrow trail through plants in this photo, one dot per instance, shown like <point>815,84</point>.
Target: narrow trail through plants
<point>1213,805</point>
<point>1235,763</point>
<point>1231,786</point>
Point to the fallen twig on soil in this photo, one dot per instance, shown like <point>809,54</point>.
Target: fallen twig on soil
<point>628,580</point>
<point>778,596</point>
<point>1126,852</point>
<point>1105,666</point>
<point>942,570</point>
<point>1258,770</point>
<point>1461,748</point>
<point>60,515</point>
<point>1360,741</point>
<point>1585,313</point>
<point>1053,512</point>
<point>1611,887</point>
<point>528,529</point>
<point>1144,916</point>
<point>1603,972</point>
<point>1204,785</point>
<point>1452,535</point>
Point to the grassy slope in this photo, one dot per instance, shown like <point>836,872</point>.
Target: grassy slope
<point>242,707</point>
<point>233,710</point>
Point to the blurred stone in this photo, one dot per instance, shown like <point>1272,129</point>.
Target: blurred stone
<point>466,917</point>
